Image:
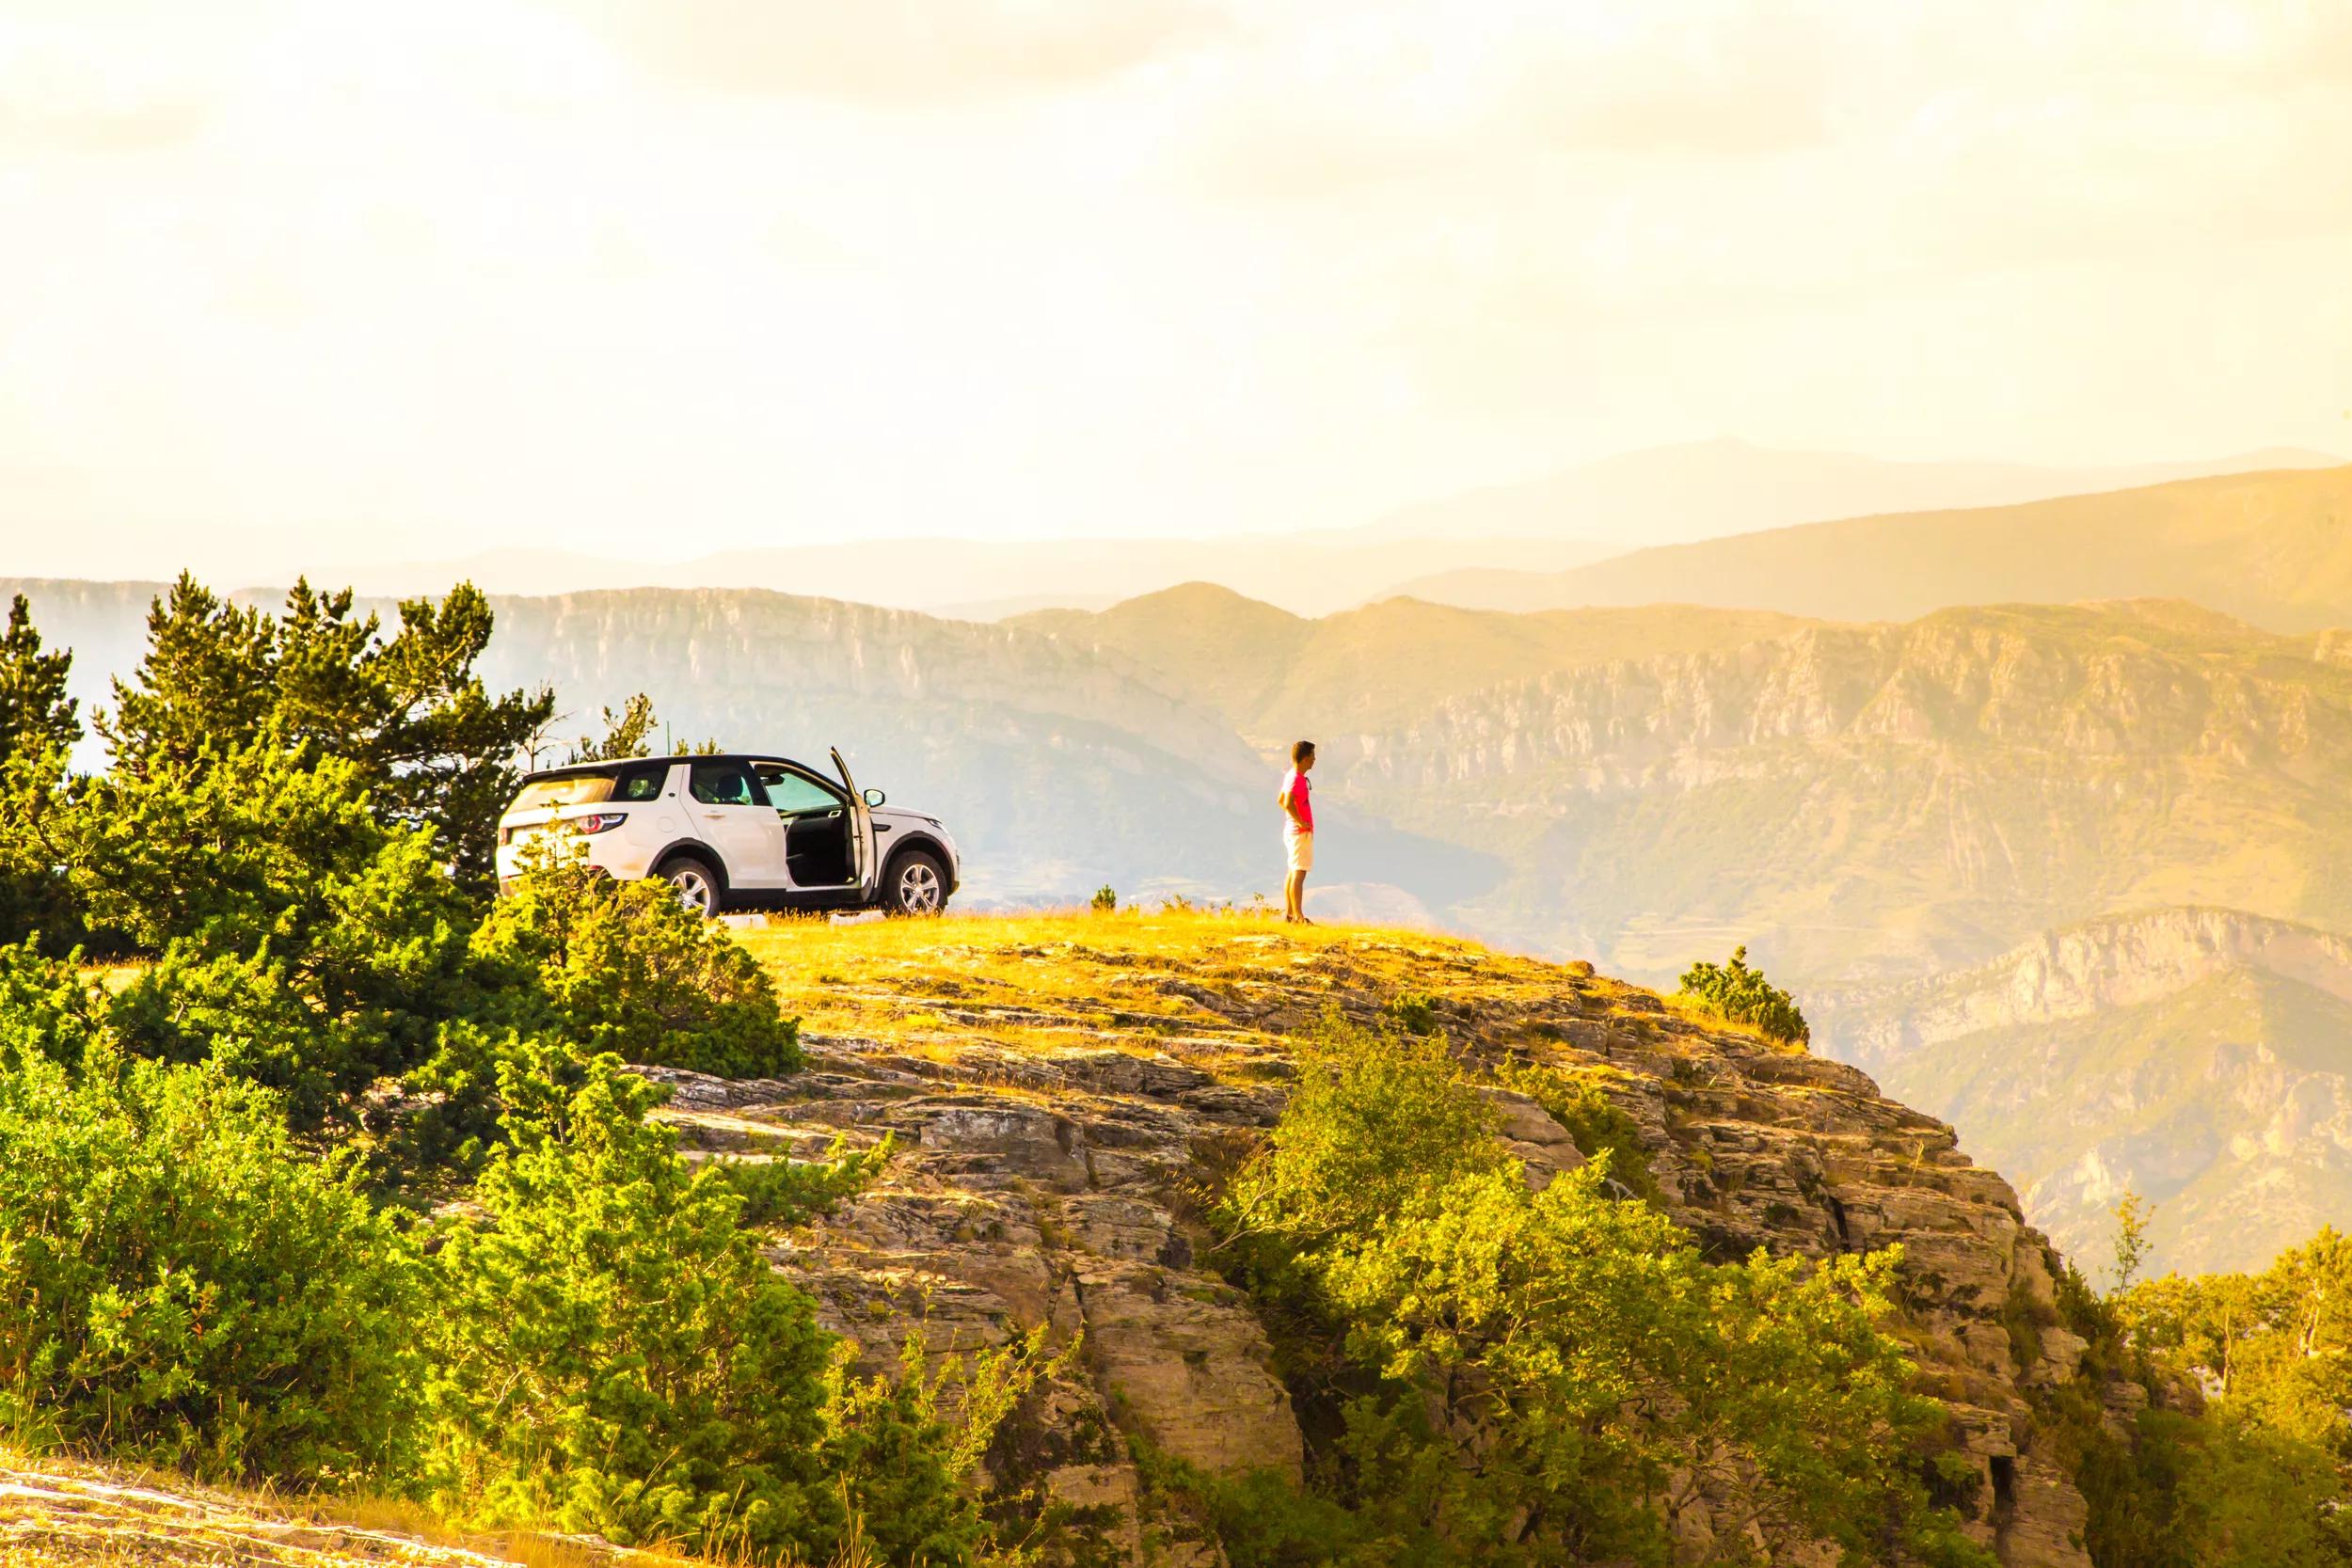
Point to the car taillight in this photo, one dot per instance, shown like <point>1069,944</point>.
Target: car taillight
<point>599,822</point>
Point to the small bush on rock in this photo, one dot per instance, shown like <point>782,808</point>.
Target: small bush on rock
<point>1740,995</point>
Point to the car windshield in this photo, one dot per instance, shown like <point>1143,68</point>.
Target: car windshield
<point>788,791</point>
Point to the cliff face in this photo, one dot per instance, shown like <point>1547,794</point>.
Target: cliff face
<point>1878,803</point>
<point>1055,1143</point>
<point>2193,1056</point>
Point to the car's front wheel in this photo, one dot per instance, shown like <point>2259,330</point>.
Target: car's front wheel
<point>696,884</point>
<point>916,884</point>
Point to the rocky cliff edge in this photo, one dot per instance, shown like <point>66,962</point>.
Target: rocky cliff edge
<point>1060,1092</point>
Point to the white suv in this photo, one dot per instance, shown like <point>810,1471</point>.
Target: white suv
<point>747,830</point>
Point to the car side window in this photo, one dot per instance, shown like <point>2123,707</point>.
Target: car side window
<point>641,784</point>
<point>725,783</point>
<point>794,793</point>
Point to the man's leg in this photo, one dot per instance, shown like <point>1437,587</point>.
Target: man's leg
<point>1293,888</point>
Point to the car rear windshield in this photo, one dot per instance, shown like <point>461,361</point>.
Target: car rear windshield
<point>588,789</point>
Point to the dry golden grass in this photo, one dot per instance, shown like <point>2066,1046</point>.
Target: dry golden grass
<point>62,1513</point>
<point>1043,982</point>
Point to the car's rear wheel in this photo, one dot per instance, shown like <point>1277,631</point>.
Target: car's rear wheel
<point>916,884</point>
<point>695,881</point>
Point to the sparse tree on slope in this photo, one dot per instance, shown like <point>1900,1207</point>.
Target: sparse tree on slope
<point>627,735</point>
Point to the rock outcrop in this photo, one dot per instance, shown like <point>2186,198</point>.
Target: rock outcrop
<point>1053,1153</point>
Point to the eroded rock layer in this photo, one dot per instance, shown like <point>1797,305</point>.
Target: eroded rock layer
<point>1053,1154</point>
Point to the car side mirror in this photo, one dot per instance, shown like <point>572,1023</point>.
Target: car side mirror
<point>875,797</point>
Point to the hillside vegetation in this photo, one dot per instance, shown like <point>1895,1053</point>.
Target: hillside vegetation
<point>2273,549</point>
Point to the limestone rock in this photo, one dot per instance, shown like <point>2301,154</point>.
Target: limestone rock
<point>1062,1187</point>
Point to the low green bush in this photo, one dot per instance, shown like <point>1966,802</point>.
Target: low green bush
<point>783,1192</point>
<point>299,943</point>
<point>181,1285</point>
<point>47,1008</point>
<point>1411,1011</point>
<point>624,966</point>
<point>1740,995</point>
<point>1590,1118</point>
<point>612,1354</point>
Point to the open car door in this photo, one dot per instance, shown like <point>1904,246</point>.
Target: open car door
<point>863,869</point>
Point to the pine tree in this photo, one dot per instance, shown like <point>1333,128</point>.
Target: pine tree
<point>444,753</point>
<point>626,735</point>
<point>209,676</point>
<point>36,715</point>
<point>434,747</point>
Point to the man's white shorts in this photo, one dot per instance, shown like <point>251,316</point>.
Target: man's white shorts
<point>1302,849</point>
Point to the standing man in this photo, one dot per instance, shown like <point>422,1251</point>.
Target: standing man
<point>1299,833</point>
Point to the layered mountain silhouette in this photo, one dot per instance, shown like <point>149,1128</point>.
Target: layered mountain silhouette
<point>1700,490</point>
<point>1705,490</point>
<point>2274,549</point>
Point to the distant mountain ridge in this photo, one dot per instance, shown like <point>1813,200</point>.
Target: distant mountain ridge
<point>1704,489</point>
<point>1708,490</point>
<point>1880,801</point>
<point>1312,573</point>
<point>2272,548</point>
<point>1278,676</point>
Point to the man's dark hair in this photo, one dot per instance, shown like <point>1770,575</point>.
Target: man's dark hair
<point>1301,750</point>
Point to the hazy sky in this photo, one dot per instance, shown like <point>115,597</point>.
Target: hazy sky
<point>417,280</point>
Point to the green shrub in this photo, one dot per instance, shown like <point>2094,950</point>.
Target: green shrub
<point>302,945</point>
<point>181,1285</point>
<point>1105,900</point>
<point>900,1463</point>
<point>47,1009</point>
<point>1592,1118</point>
<point>624,966</point>
<point>1258,1519</point>
<point>613,1355</point>
<point>1412,1012</point>
<point>1735,993</point>
<point>1373,1119</point>
<point>1529,1367</point>
<point>793,1192</point>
